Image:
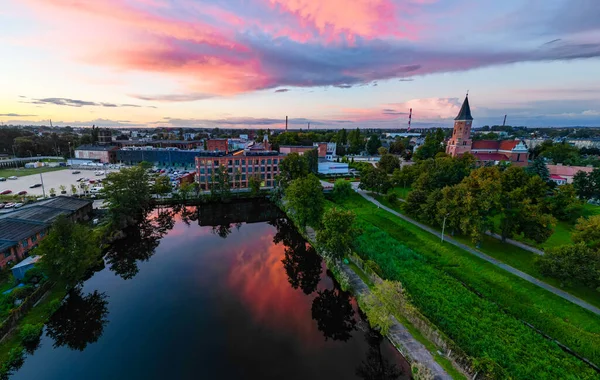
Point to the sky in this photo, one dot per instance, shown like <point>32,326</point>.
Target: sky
<point>334,63</point>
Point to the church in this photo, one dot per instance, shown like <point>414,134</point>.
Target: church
<point>486,151</point>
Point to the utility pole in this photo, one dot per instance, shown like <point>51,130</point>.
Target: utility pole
<point>43,188</point>
<point>444,226</point>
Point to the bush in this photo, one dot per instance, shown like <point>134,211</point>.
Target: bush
<point>21,293</point>
<point>33,276</point>
<point>30,334</point>
<point>572,263</point>
<point>392,198</point>
<point>342,189</point>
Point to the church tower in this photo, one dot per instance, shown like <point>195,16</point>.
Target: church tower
<point>460,142</point>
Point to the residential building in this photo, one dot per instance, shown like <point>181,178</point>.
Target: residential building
<point>567,172</point>
<point>106,154</point>
<point>22,230</point>
<point>558,179</point>
<point>486,151</point>
<point>217,145</point>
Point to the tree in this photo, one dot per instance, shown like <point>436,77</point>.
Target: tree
<point>375,180</point>
<point>432,146</point>
<point>68,251</point>
<point>128,195</point>
<point>312,158</point>
<point>220,187</point>
<point>572,263</point>
<point>342,189</point>
<point>381,151</point>
<point>389,163</point>
<point>336,236</point>
<point>73,189</point>
<point>79,321</point>
<point>341,137</point>
<point>356,141</point>
<point>162,185</point>
<point>305,197</point>
<point>538,167</point>
<point>292,167</point>
<point>587,231</point>
<point>376,366</point>
<point>254,183</point>
<point>562,153</point>
<point>564,204</point>
<point>185,189</point>
<point>584,185</point>
<point>373,144</point>
<point>397,147</point>
<point>63,189</point>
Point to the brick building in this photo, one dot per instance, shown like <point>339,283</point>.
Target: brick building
<point>486,151</point>
<point>240,167</point>
<point>106,154</point>
<point>217,145</point>
<point>21,231</point>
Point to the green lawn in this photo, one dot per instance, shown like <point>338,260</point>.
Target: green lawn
<point>21,172</point>
<point>467,298</point>
<point>517,258</point>
<point>402,192</point>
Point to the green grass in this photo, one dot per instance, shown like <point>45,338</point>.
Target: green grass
<point>432,274</point>
<point>21,172</point>
<point>38,314</point>
<point>517,258</point>
<point>440,359</point>
<point>402,192</point>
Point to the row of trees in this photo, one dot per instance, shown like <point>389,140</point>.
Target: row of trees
<point>587,185</point>
<point>565,153</point>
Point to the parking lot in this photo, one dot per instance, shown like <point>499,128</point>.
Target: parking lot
<point>51,180</point>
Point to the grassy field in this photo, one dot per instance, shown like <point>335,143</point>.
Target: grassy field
<point>517,258</point>
<point>477,304</point>
<point>21,172</point>
<point>402,192</point>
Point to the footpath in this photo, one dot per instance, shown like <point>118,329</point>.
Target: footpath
<point>487,258</point>
<point>401,338</point>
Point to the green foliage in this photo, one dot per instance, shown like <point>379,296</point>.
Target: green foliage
<point>220,187</point>
<point>374,179</point>
<point>432,146</point>
<point>30,333</point>
<point>336,236</point>
<point>254,184</point>
<point>373,144</point>
<point>292,167</point>
<point>572,263</point>
<point>33,276</point>
<point>16,357</point>
<point>587,231</point>
<point>377,313</point>
<point>564,204</point>
<point>538,167</point>
<point>562,153</point>
<point>68,251</point>
<point>305,197</point>
<point>162,185</point>
<point>342,189</point>
<point>356,141</point>
<point>392,197</point>
<point>389,163</point>
<point>127,194</point>
<point>587,185</point>
<point>312,159</point>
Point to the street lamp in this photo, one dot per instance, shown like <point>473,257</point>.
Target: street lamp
<point>444,225</point>
<point>43,188</point>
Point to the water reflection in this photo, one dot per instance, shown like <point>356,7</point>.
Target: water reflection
<point>376,366</point>
<point>333,312</point>
<point>79,321</point>
<point>302,263</point>
<point>139,243</point>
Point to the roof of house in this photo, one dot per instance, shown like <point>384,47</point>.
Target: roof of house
<point>67,203</point>
<point>28,261</point>
<point>486,144</point>
<point>490,156</point>
<point>465,111</point>
<point>508,144</point>
<point>4,244</point>
<point>570,171</point>
<point>557,177</point>
<point>39,213</point>
<point>16,229</point>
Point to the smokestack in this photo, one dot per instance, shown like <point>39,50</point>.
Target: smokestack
<point>409,119</point>
<point>309,125</point>
<point>504,122</point>
<point>286,123</point>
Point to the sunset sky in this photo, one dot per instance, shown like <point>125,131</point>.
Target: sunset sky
<point>335,63</point>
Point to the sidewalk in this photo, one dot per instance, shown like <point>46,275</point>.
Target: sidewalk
<point>489,259</point>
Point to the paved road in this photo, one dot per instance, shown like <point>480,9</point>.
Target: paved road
<point>411,349</point>
<point>489,259</point>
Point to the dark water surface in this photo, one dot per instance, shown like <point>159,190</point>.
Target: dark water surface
<point>235,301</point>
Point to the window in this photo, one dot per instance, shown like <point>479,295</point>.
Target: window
<point>243,169</point>
<point>262,162</point>
<point>250,169</point>
<point>7,254</point>
<point>268,168</point>
<point>262,169</point>
<point>237,162</point>
<point>229,163</point>
<point>243,177</point>
<point>201,170</point>
<point>518,157</point>
<point>268,183</point>
<point>275,161</point>
<point>255,162</point>
<point>201,178</point>
<point>24,243</point>
<point>34,237</point>
<point>464,143</point>
<point>243,162</point>
<point>269,176</point>
<point>230,170</point>
<point>262,176</point>
<point>216,163</point>
<point>269,161</point>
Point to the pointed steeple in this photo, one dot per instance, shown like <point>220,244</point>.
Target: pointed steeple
<point>465,110</point>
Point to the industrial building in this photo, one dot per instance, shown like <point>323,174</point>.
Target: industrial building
<point>106,154</point>
<point>22,230</point>
<point>158,156</point>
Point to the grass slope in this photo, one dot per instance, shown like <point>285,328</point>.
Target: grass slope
<point>477,304</point>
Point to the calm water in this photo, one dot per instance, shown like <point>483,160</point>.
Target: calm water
<point>214,294</point>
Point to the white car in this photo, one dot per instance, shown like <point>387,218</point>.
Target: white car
<point>13,177</point>
<point>17,205</point>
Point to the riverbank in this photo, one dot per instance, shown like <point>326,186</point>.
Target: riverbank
<point>424,356</point>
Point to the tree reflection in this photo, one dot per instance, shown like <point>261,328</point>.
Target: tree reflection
<point>223,230</point>
<point>334,314</point>
<point>302,263</point>
<point>79,321</point>
<point>375,366</point>
<point>139,244</point>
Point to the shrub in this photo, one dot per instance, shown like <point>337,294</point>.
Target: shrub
<point>33,276</point>
<point>30,334</point>
<point>572,263</point>
<point>21,293</point>
<point>342,189</point>
<point>392,198</point>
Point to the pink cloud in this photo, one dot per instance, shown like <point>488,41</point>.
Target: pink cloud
<point>423,109</point>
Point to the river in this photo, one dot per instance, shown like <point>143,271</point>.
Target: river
<point>227,292</point>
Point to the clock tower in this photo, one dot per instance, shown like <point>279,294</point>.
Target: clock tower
<point>460,142</point>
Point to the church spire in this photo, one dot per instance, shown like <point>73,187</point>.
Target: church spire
<point>465,110</point>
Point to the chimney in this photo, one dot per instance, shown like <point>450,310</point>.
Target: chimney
<point>286,123</point>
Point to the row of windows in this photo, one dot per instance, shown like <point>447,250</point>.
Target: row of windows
<point>265,183</point>
<point>243,177</point>
<point>242,170</point>
<point>268,161</point>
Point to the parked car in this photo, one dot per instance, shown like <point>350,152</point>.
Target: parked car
<point>17,205</point>
<point>13,177</point>
<point>2,205</point>
<point>80,179</point>
<point>35,186</point>
<point>6,192</point>
<point>9,205</point>
<point>92,181</point>
<point>75,172</point>
<point>22,192</point>
<point>2,179</point>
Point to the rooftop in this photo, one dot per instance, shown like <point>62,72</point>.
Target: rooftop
<point>16,229</point>
<point>29,260</point>
<point>465,111</point>
<point>100,148</point>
